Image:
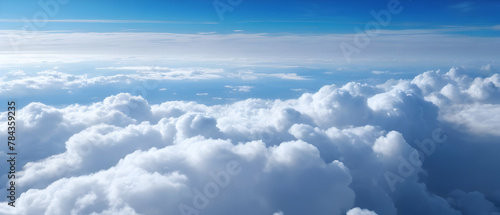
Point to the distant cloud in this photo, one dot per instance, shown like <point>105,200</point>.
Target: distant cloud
<point>240,88</point>
<point>135,68</point>
<point>206,33</point>
<point>250,75</point>
<point>111,21</point>
<point>259,49</point>
<point>359,211</point>
<point>379,72</point>
<point>17,73</point>
<point>487,68</point>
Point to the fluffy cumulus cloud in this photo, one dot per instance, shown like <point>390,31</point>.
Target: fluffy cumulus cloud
<point>422,146</point>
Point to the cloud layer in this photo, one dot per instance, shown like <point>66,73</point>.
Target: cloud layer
<point>18,81</point>
<point>403,147</point>
<point>237,49</point>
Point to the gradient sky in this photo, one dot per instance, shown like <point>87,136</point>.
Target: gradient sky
<point>333,16</point>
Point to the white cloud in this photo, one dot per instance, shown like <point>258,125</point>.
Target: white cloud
<point>136,68</point>
<point>251,75</point>
<point>109,21</point>
<point>379,72</point>
<point>240,88</point>
<point>205,33</point>
<point>487,68</point>
<point>50,79</point>
<point>17,73</point>
<point>465,6</point>
<point>22,83</point>
<point>390,145</point>
<point>328,152</point>
<point>291,76</point>
<point>462,100</point>
<point>422,45</point>
<point>359,211</point>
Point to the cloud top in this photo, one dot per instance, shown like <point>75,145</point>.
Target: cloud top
<point>355,149</point>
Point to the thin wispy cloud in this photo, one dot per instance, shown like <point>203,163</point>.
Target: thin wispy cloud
<point>463,6</point>
<point>258,49</point>
<point>239,88</point>
<point>333,142</point>
<point>105,21</point>
<point>251,107</point>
